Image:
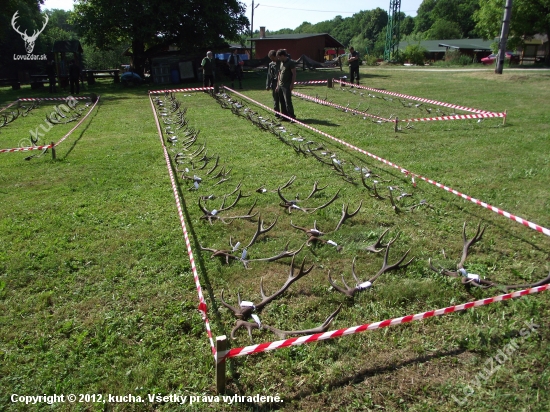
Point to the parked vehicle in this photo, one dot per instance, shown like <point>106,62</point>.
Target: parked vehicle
<point>511,57</point>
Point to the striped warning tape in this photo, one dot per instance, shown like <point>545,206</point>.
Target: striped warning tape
<point>8,106</point>
<point>419,99</point>
<point>501,212</point>
<point>26,149</point>
<point>202,303</point>
<point>191,89</point>
<point>263,347</point>
<point>325,103</point>
<point>313,82</point>
<point>457,117</point>
<point>29,148</point>
<point>35,99</point>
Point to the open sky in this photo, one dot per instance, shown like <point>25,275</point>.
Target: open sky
<point>280,14</point>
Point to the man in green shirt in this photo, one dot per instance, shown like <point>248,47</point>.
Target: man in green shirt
<point>285,83</point>
<point>208,68</point>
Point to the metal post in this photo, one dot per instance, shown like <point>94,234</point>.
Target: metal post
<point>504,120</point>
<point>396,121</point>
<point>329,83</point>
<point>221,346</point>
<point>53,150</point>
<point>503,36</point>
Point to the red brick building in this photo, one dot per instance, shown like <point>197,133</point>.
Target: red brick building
<point>313,45</point>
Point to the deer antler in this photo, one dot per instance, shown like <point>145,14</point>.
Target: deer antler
<point>350,291</point>
<point>346,215</point>
<point>246,308</point>
<point>467,279</point>
<point>378,244</point>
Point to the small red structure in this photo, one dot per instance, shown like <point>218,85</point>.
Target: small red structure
<point>313,45</point>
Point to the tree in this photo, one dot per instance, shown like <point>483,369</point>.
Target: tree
<point>529,17</point>
<point>424,18</point>
<point>191,24</point>
<point>443,29</point>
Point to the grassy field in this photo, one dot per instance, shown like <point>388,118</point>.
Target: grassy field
<point>96,290</point>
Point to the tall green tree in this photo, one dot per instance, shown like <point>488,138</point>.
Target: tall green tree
<point>529,17</point>
<point>191,24</point>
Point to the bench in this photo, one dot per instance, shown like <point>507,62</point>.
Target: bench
<point>91,75</point>
<point>38,80</point>
<point>14,83</point>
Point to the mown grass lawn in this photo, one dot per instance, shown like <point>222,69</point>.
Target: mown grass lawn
<point>96,291</point>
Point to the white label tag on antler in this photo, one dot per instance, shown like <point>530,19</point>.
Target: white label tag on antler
<point>196,178</point>
<point>196,185</point>
<point>247,304</point>
<point>213,212</point>
<point>295,206</point>
<point>236,246</point>
<point>465,273</point>
<point>257,319</point>
<point>243,255</point>
<point>364,285</point>
<point>332,243</point>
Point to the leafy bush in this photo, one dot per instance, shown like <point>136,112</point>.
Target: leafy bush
<point>415,54</point>
<point>370,60</point>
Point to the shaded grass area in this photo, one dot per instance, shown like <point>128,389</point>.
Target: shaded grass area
<point>97,296</point>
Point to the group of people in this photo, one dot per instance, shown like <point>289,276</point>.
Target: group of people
<point>281,75</point>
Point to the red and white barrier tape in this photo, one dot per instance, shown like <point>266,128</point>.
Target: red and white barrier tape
<point>456,117</point>
<point>419,99</point>
<point>518,219</point>
<point>263,347</point>
<point>325,103</point>
<point>8,106</point>
<point>202,304</point>
<point>79,123</point>
<point>313,82</point>
<point>191,89</point>
<point>26,149</point>
<point>35,99</point>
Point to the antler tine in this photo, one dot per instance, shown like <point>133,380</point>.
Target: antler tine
<point>393,205</point>
<point>261,230</point>
<point>376,194</point>
<point>315,189</point>
<point>283,334</point>
<point>365,183</point>
<point>282,197</point>
<point>467,243</point>
<point>215,165</point>
<point>237,188</point>
<point>290,280</point>
<point>326,204</point>
<point>244,324</point>
<point>377,244</point>
<point>228,306</point>
<point>290,181</point>
<point>283,254</point>
<point>204,210</point>
<point>385,267</point>
<point>544,281</point>
<point>353,271</point>
<point>239,196</point>
<point>441,271</point>
<point>346,215</point>
<point>350,292</point>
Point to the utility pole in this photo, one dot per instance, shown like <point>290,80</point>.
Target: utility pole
<point>252,26</point>
<point>503,36</point>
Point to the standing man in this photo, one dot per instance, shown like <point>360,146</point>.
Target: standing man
<point>285,84</point>
<point>271,81</point>
<point>74,77</point>
<point>208,69</point>
<point>353,60</point>
<point>235,68</point>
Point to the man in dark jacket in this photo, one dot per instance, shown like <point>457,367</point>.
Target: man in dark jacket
<point>235,68</point>
<point>74,77</point>
<point>353,61</point>
<point>271,81</point>
<point>50,71</point>
<point>285,84</point>
<point>208,68</point>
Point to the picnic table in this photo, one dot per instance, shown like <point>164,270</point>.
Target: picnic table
<point>91,75</point>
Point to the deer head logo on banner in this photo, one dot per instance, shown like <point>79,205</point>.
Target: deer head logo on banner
<point>29,40</point>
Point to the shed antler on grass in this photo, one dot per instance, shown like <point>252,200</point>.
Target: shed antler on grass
<point>213,214</point>
<point>351,291</point>
<point>293,204</point>
<point>228,255</point>
<point>470,279</point>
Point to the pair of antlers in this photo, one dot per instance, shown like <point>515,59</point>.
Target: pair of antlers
<point>351,291</point>
<point>289,205</point>
<point>247,310</point>
<point>470,279</point>
<point>232,254</point>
